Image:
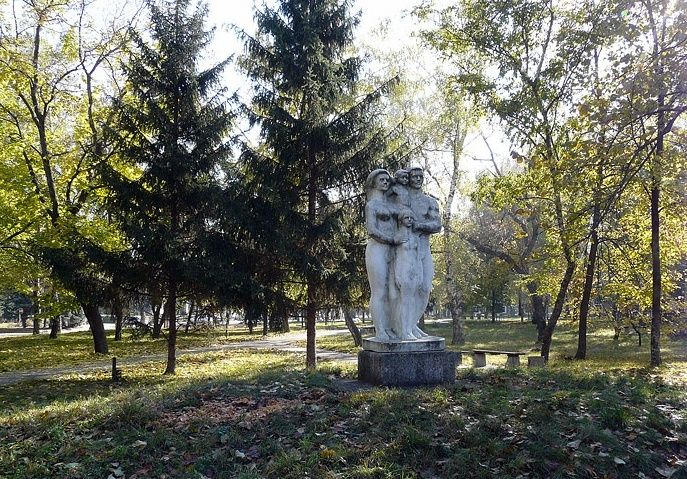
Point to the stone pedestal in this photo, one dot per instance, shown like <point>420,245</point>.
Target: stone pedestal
<point>407,363</point>
<point>428,343</point>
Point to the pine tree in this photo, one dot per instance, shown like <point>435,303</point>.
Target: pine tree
<point>318,141</point>
<point>171,127</point>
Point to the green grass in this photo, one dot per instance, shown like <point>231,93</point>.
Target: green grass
<point>35,352</point>
<point>246,414</point>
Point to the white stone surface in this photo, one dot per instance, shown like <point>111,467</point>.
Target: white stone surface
<point>399,218</point>
<point>428,343</point>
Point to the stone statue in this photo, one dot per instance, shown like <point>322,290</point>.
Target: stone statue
<point>399,220</point>
<point>407,277</point>
<point>398,192</point>
<point>428,221</point>
<point>378,252</point>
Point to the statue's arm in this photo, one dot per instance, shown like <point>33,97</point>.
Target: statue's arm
<point>371,226</point>
<point>432,219</point>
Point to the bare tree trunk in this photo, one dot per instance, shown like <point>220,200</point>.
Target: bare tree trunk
<point>36,310</point>
<point>285,327</point>
<point>557,309</point>
<point>95,321</point>
<point>538,310</point>
<point>171,313</point>
<point>454,306</point>
<point>656,286</point>
<point>157,320</point>
<point>118,313</point>
<point>656,311</point>
<point>457,330</point>
<point>54,326</point>
<point>311,298</point>
<point>190,315</point>
<point>493,305</point>
<point>310,317</point>
<point>249,320</point>
<point>352,327</point>
<point>588,283</point>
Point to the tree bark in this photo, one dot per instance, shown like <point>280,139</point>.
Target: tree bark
<point>311,305</point>
<point>557,309</point>
<point>36,310</point>
<point>538,309</point>
<point>493,305</point>
<point>95,321</point>
<point>55,326</point>
<point>311,312</point>
<point>458,326</point>
<point>190,315</point>
<point>36,326</point>
<point>588,283</point>
<point>352,327</point>
<point>171,313</point>
<point>656,285</point>
<point>118,313</point>
<point>656,311</point>
<point>157,321</point>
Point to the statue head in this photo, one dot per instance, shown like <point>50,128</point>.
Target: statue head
<point>416,177</point>
<point>378,179</point>
<point>401,177</point>
<point>406,217</point>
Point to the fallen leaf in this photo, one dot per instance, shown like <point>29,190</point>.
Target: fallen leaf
<point>139,443</point>
<point>666,471</point>
<point>117,472</point>
<point>617,460</point>
<point>574,444</point>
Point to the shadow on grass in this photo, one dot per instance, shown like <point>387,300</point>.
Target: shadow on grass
<point>257,414</point>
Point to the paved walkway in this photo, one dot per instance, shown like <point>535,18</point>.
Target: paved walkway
<point>282,343</point>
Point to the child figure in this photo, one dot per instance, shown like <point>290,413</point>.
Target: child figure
<point>407,276</point>
<point>398,192</point>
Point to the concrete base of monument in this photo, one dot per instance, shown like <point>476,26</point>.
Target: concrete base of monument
<point>428,343</point>
<point>407,368</point>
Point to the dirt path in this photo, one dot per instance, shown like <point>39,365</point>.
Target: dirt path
<point>287,344</point>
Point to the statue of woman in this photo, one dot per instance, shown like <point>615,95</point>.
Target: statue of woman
<point>379,254</point>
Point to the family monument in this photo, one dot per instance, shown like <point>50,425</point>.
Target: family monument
<point>399,218</point>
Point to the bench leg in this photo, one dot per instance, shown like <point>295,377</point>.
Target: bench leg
<point>513,360</point>
<point>479,360</point>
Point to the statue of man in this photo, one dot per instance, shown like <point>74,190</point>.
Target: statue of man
<point>427,222</point>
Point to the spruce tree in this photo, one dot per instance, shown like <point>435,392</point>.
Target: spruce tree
<point>171,126</point>
<point>318,142</point>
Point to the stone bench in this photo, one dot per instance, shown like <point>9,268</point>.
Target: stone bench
<point>479,357</point>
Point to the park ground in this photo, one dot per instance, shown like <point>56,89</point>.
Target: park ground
<point>236,411</point>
